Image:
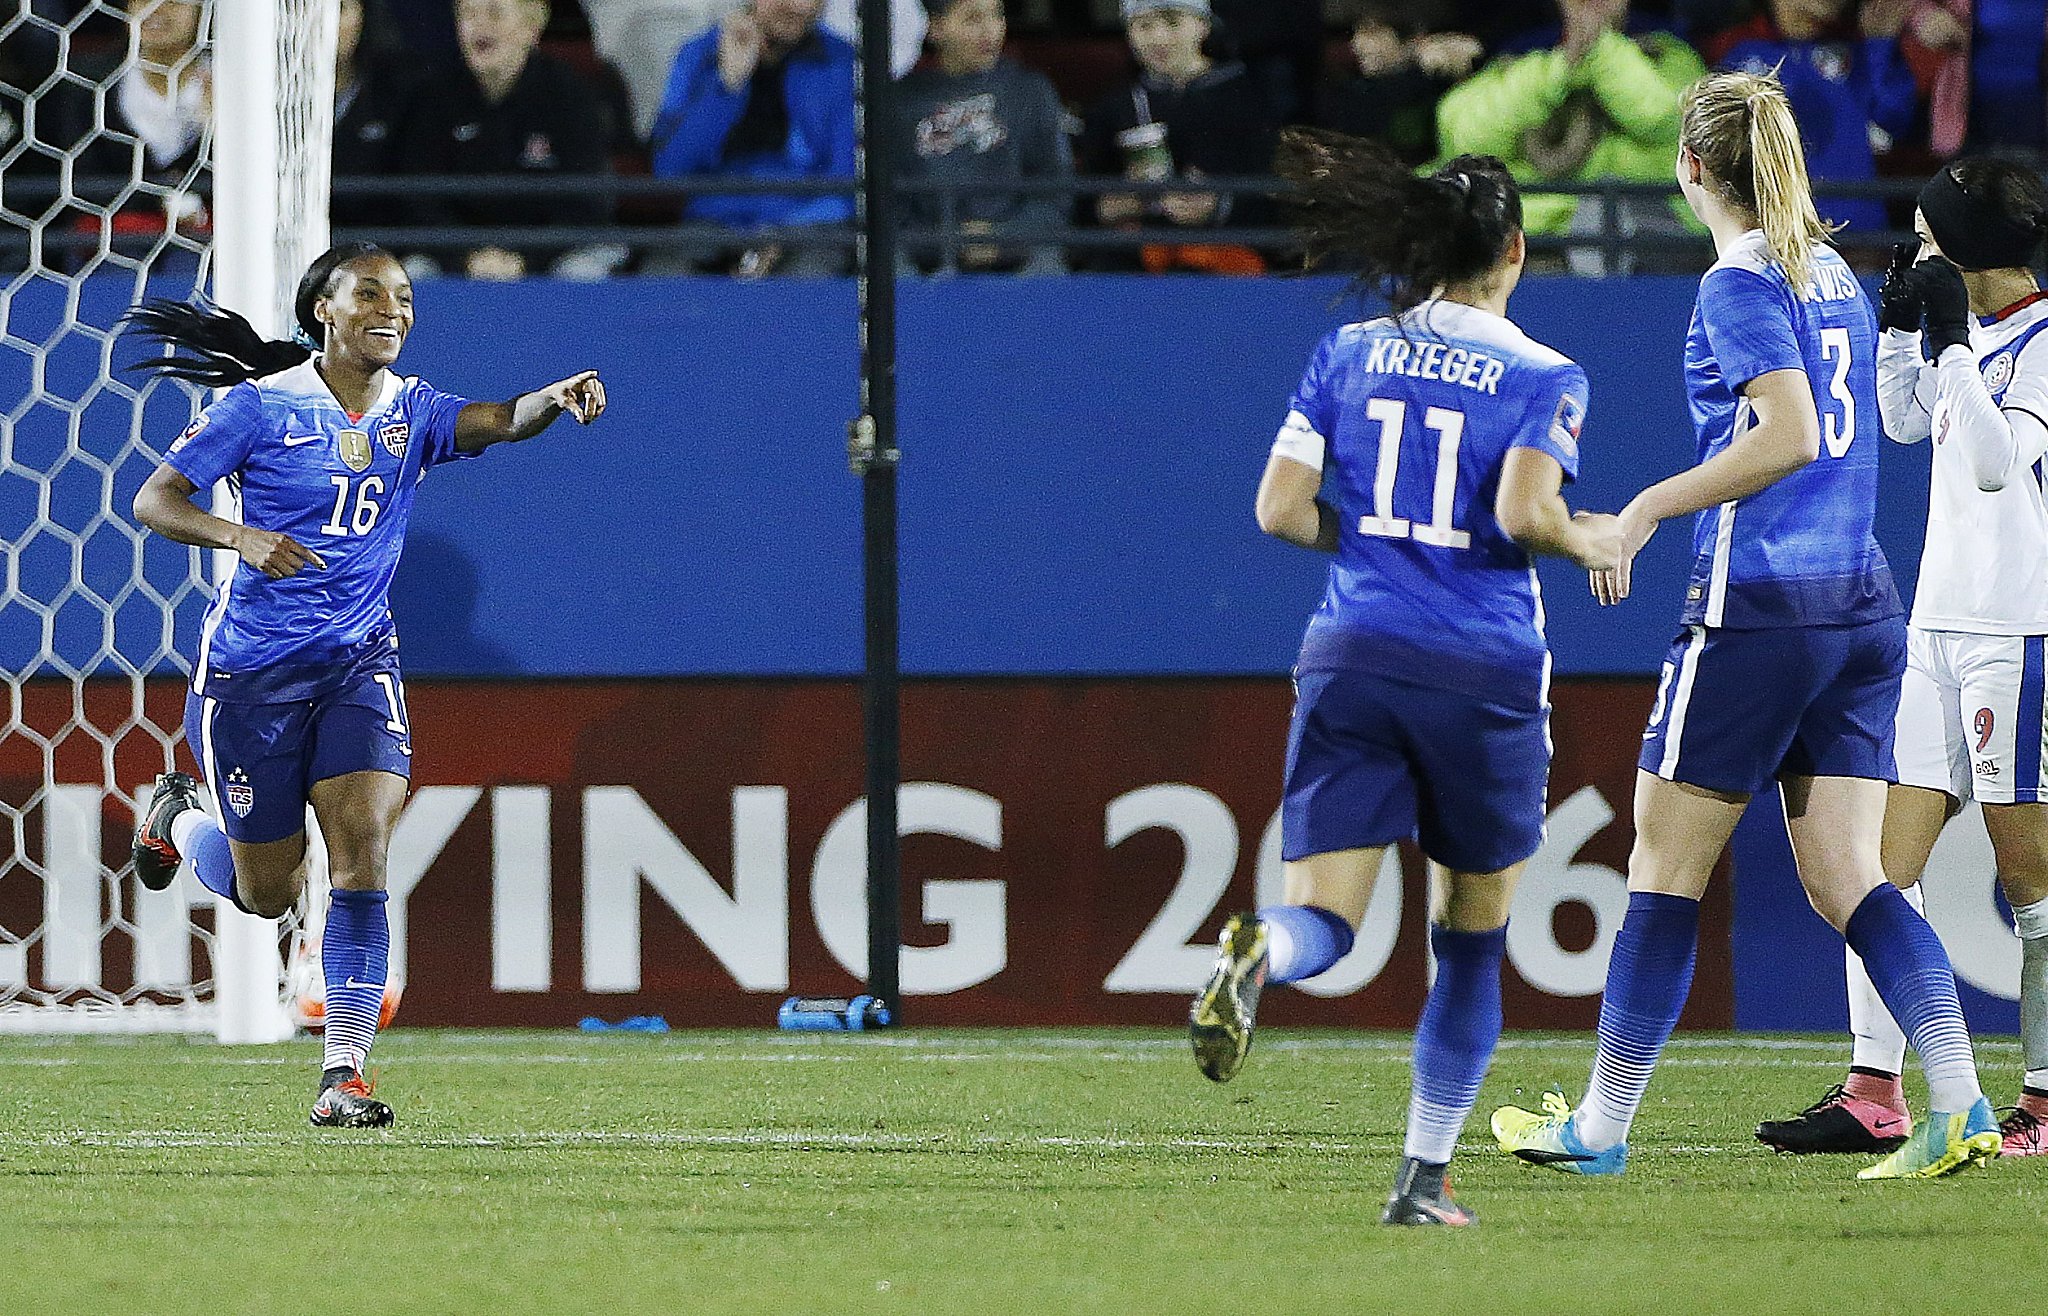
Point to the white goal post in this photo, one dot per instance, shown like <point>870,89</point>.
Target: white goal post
<point>95,618</point>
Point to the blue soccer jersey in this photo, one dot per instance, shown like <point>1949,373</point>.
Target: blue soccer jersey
<point>1801,552</point>
<point>1412,419</point>
<point>340,485</point>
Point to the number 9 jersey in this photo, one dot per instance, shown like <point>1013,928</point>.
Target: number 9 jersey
<point>1415,417</point>
<point>1801,552</point>
<point>342,486</point>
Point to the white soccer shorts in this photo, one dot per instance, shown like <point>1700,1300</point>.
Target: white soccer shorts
<point>1971,715</point>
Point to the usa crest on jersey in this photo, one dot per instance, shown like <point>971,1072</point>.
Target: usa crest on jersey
<point>240,794</point>
<point>393,437</point>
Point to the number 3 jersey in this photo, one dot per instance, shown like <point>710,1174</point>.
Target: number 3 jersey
<point>1410,421</point>
<point>1801,552</point>
<point>342,486</point>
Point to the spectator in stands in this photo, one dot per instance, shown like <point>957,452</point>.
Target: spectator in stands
<point>1406,62</point>
<point>507,109</point>
<point>155,113</point>
<point>973,117</point>
<point>1281,45</point>
<point>1187,116</point>
<point>375,87</point>
<point>1980,66</point>
<point>765,94</point>
<point>1600,105</point>
<point>1845,77</point>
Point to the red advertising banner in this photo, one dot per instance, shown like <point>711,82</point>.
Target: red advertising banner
<point>696,849</point>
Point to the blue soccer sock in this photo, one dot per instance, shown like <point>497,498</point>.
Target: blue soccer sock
<point>1648,978</point>
<point>1912,974</point>
<point>1455,1039</point>
<point>1303,941</point>
<point>355,952</point>
<point>202,843</point>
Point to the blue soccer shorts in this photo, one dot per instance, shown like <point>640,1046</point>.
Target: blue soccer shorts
<point>260,760</point>
<point>1372,761</point>
<point>1737,710</point>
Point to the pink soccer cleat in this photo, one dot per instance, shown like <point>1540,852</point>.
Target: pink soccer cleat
<point>2025,1133</point>
<point>1838,1122</point>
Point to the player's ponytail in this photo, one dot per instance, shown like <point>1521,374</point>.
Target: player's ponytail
<point>207,345</point>
<point>1361,210</point>
<point>1740,125</point>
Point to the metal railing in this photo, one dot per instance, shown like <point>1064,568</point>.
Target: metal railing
<point>76,217</point>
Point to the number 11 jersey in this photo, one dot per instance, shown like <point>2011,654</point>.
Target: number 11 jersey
<point>1410,419</point>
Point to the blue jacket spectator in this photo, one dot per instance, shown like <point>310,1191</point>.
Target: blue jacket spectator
<point>765,94</point>
<point>1842,80</point>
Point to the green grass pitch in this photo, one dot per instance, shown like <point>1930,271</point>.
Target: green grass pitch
<point>942,1171</point>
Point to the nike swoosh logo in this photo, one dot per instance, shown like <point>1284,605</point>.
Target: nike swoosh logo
<point>1881,1125</point>
<point>296,440</point>
<point>352,985</point>
<point>1535,1157</point>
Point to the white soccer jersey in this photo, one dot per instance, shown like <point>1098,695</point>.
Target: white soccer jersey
<point>1985,567</point>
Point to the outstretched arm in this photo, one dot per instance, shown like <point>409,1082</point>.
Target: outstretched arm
<point>1531,510</point>
<point>1784,438</point>
<point>481,424</point>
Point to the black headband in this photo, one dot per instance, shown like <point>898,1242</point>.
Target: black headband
<point>1975,233</point>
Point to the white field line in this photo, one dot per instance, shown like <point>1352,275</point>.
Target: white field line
<point>1680,1053</point>
<point>177,1139</point>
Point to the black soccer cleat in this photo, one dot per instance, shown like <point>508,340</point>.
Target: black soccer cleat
<point>1422,1196</point>
<point>1840,1123</point>
<point>346,1103</point>
<point>156,859</point>
<point>1221,1019</point>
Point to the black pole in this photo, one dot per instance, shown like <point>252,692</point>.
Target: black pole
<point>873,454</point>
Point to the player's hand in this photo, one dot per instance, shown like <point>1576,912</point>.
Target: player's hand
<point>277,556</point>
<point>739,48</point>
<point>1898,302</point>
<point>1945,304</point>
<point>1612,586</point>
<point>581,396</point>
<point>1600,541</point>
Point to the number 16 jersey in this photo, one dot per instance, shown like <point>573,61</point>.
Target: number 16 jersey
<point>1410,419</point>
<point>340,485</point>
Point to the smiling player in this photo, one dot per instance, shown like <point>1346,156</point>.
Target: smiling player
<point>296,693</point>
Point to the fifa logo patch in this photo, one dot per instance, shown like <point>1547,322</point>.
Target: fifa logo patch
<point>241,795</point>
<point>354,446</point>
<point>191,432</point>
<point>393,438</point>
<point>1571,418</point>
<point>1998,373</point>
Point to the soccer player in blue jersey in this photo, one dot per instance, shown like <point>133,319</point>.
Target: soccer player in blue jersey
<point>1788,666</point>
<point>296,693</point>
<point>1426,449</point>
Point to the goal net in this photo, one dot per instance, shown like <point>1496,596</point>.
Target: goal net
<point>147,148</point>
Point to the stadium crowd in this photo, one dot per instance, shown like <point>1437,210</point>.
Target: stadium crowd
<point>993,120</point>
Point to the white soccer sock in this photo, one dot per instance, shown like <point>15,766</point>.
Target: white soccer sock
<point>184,825</point>
<point>1879,1042</point>
<point>2032,921</point>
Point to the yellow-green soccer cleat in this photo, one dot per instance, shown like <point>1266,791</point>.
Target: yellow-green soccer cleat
<point>1947,1142</point>
<point>1550,1140</point>
<point>1220,1020</point>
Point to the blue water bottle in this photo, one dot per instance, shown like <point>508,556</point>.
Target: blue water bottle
<point>832,1014</point>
